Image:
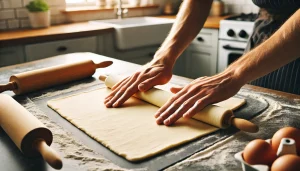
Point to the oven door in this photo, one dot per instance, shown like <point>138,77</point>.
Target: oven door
<point>228,52</point>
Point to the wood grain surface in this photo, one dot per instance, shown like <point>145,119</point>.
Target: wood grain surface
<point>57,32</point>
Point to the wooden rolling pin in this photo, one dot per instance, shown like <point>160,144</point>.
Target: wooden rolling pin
<point>27,132</point>
<point>43,78</point>
<point>214,115</point>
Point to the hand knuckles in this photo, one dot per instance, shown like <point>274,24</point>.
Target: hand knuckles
<point>172,99</point>
<point>177,103</point>
<point>122,89</point>
<point>199,102</point>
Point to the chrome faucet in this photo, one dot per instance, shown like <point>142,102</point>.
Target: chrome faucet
<point>121,12</point>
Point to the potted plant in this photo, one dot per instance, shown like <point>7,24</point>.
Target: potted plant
<point>39,13</point>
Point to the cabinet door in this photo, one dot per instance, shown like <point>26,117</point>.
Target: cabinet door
<point>199,64</point>
<point>54,48</point>
<point>180,65</point>
<point>11,55</point>
<point>140,60</point>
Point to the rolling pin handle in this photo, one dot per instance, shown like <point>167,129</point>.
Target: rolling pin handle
<point>102,77</point>
<point>8,86</point>
<point>244,125</point>
<point>49,155</point>
<point>104,64</point>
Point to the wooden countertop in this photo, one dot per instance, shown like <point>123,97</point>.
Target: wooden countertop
<point>73,30</point>
<point>211,22</point>
<point>56,32</point>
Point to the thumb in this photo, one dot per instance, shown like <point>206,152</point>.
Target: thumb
<point>175,89</point>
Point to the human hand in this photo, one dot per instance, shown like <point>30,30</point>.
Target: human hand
<point>157,72</point>
<point>198,94</point>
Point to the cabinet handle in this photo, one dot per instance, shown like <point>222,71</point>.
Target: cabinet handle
<point>228,47</point>
<point>151,54</point>
<point>61,49</point>
<point>200,39</point>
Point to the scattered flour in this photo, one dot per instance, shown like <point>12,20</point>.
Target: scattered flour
<point>71,149</point>
<point>280,113</point>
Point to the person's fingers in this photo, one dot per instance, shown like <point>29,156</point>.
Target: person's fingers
<point>168,103</point>
<point>175,89</point>
<point>177,114</point>
<point>172,108</point>
<point>187,104</point>
<point>114,91</point>
<point>120,83</point>
<point>164,115</point>
<point>121,90</point>
<point>198,106</point>
<point>126,95</point>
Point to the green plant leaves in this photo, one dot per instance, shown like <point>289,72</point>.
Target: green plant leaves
<point>37,6</point>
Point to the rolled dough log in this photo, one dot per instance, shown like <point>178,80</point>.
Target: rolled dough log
<point>217,115</point>
<point>129,131</point>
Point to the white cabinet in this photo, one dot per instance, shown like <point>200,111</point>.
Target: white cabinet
<point>139,56</point>
<point>201,55</point>
<point>49,49</point>
<point>199,64</point>
<point>11,55</point>
<point>180,65</point>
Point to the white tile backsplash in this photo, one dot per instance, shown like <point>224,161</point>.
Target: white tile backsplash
<point>3,25</point>
<point>7,14</point>
<point>22,13</point>
<point>13,24</point>
<point>24,23</point>
<point>14,11</point>
<point>12,3</point>
<point>240,6</point>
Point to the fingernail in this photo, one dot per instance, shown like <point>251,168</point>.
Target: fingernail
<point>156,115</point>
<point>116,104</point>
<point>159,121</point>
<point>185,116</point>
<point>167,122</point>
<point>108,104</point>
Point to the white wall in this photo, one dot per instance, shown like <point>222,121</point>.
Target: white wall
<point>240,6</point>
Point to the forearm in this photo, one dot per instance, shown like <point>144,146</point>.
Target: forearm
<point>189,21</point>
<point>281,48</point>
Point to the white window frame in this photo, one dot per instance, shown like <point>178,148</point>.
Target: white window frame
<point>81,4</point>
<point>87,3</point>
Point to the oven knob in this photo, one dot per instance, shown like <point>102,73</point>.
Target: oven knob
<point>243,34</point>
<point>230,33</point>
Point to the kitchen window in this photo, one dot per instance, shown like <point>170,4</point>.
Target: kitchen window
<point>77,3</point>
<point>81,2</point>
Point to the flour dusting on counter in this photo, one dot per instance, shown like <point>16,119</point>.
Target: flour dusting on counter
<point>72,150</point>
<point>280,113</point>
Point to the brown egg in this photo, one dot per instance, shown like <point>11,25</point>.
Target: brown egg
<point>259,152</point>
<point>287,162</point>
<point>287,132</point>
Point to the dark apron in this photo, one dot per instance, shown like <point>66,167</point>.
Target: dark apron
<point>286,78</point>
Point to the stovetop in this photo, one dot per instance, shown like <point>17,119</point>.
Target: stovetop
<point>244,17</point>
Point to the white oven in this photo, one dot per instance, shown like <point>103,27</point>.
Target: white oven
<point>233,35</point>
<point>228,52</point>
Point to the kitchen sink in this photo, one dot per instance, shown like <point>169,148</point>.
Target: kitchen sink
<point>138,31</point>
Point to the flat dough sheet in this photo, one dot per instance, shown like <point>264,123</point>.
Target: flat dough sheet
<point>129,131</point>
